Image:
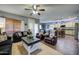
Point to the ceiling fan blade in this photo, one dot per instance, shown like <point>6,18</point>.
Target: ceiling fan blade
<point>38,5</point>
<point>41,9</point>
<point>39,14</point>
<point>27,9</point>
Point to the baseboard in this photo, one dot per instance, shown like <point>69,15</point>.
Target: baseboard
<point>69,34</point>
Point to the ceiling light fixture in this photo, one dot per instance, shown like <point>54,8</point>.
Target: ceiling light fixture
<point>34,12</point>
<point>35,9</point>
<point>34,6</point>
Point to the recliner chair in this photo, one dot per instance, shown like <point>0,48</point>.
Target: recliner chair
<point>51,41</point>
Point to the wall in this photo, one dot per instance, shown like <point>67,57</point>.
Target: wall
<point>22,26</point>
<point>2,24</point>
<point>55,25</point>
<point>25,22</point>
<point>13,16</point>
<point>12,25</point>
<point>77,31</point>
<point>33,24</point>
<point>68,24</point>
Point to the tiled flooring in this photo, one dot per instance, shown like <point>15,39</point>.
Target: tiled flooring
<point>18,49</point>
<point>67,46</point>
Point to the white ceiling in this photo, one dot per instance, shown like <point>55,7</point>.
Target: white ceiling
<point>52,11</point>
<point>18,9</point>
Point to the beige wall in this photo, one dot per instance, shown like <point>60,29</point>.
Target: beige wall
<point>2,24</point>
<point>55,25</point>
<point>68,24</point>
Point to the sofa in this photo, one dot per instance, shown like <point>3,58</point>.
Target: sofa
<point>17,37</point>
<point>52,41</point>
<point>40,36</point>
<point>6,47</point>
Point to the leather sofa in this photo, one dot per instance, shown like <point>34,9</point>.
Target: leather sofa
<point>24,33</point>
<point>6,47</point>
<point>37,35</point>
<point>17,37</point>
<point>52,41</point>
<point>40,36</point>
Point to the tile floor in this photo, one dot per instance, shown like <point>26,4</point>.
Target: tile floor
<point>67,46</point>
<point>18,49</point>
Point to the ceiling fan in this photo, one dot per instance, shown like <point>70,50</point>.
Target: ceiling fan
<point>35,9</point>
